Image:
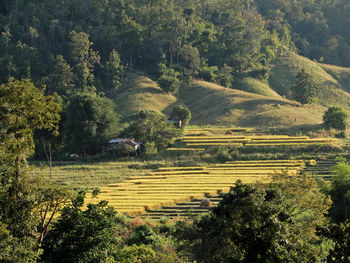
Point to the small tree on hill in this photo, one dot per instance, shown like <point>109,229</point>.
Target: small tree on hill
<point>335,118</point>
<point>183,113</point>
<point>169,83</point>
<point>304,88</point>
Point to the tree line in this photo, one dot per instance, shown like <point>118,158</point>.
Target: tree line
<point>84,44</point>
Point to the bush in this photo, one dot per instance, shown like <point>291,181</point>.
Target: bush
<point>169,84</point>
<point>335,118</point>
<point>150,148</point>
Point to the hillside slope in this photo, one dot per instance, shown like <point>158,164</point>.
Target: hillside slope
<point>141,93</point>
<point>213,104</point>
<point>254,103</point>
<point>257,86</point>
<point>333,82</point>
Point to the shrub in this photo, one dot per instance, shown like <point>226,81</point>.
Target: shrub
<point>335,118</point>
<point>168,83</point>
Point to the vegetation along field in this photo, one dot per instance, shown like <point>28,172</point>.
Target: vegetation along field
<point>174,131</point>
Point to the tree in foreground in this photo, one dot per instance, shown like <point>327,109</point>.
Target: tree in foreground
<point>253,223</point>
<point>336,118</point>
<point>304,88</point>
<point>84,236</point>
<point>340,234</point>
<point>98,234</point>
<point>27,203</point>
<point>340,193</point>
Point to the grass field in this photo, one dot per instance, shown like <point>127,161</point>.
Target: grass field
<point>256,86</point>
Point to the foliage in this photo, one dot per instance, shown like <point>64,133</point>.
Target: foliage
<point>224,76</point>
<point>143,234</point>
<point>340,193</point>
<point>341,235</point>
<point>114,70</point>
<point>151,127</point>
<point>191,59</point>
<point>84,59</point>
<point>181,112</point>
<point>261,224</point>
<point>90,121</point>
<point>84,236</point>
<point>23,108</point>
<point>335,118</point>
<point>304,88</point>
<point>169,83</point>
<point>61,78</point>
<point>207,73</point>
<point>27,203</point>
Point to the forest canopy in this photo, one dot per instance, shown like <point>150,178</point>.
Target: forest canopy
<point>75,45</point>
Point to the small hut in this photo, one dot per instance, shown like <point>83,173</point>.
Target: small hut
<point>176,121</point>
<point>115,144</point>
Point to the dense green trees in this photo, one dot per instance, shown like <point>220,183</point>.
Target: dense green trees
<point>114,71</point>
<point>90,120</point>
<point>84,236</point>
<point>84,59</point>
<point>74,40</point>
<point>27,202</point>
<point>340,193</point>
<point>255,223</point>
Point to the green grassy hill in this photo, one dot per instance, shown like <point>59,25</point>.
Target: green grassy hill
<point>257,86</point>
<point>253,102</point>
<point>213,104</point>
<point>333,82</point>
<point>141,93</point>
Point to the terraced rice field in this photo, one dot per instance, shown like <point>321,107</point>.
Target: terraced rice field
<point>183,209</point>
<point>193,207</point>
<point>200,139</point>
<point>169,185</point>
